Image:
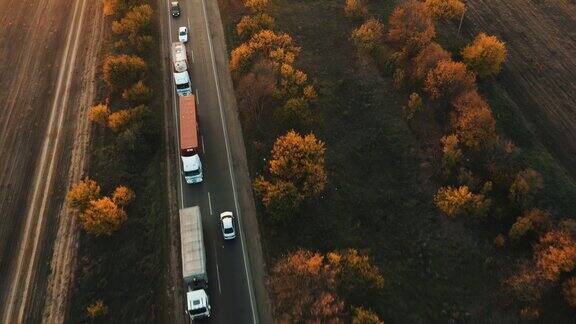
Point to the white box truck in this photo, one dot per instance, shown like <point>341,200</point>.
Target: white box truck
<point>179,58</point>
<point>194,263</point>
<point>183,86</point>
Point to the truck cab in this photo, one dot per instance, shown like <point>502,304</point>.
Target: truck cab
<point>183,86</point>
<point>197,304</point>
<point>192,168</point>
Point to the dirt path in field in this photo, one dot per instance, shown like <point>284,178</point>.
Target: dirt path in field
<point>541,68</point>
<point>66,245</point>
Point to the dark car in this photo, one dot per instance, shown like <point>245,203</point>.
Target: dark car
<point>175,9</point>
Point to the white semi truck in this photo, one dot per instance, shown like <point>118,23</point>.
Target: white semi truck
<point>194,263</point>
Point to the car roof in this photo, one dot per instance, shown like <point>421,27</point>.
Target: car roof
<point>227,222</point>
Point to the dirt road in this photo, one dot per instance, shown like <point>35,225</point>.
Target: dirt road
<point>541,68</point>
<point>43,71</point>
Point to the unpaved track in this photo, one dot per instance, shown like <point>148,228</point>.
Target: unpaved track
<point>42,52</point>
<point>541,68</point>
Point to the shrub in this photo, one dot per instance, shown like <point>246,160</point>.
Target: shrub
<point>485,55</point>
<point>446,9</point>
<point>368,36</point>
<point>411,27</point>
<point>473,121</point>
<point>364,316</point>
<point>256,5</point>
<point>122,196</point>
<point>533,221</point>
<point>99,114</point>
<point>137,93</point>
<point>249,25</point>
<point>399,79</point>
<point>525,187</point>
<point>82,193</point>
<point>102,217</point>
<point>121,71</point>
<point>355,9</point>
<point>500,241</point>
<point>414,106</point>
<point>110,7</point>
<point>449,79</point>
<point>120,120</point>
<point>569,291</point>
<point>96,309</point>
<point>452,154</point>
<point>427,59</point>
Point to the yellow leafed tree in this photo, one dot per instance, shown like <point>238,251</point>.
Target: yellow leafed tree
<point>82,193</point>
<point>99,114</point>
<point>446,9</point>
<point>102,217</point>
<point>485,55</point>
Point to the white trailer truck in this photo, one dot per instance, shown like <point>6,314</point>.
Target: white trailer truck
<point>179,58</point>
<point>194,263</point>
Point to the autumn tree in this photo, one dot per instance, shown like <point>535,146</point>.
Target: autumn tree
<point>485,55</point>
<point>555,253</point>
<point>291,82</point>
<point>364,316</point>
<point>297,171</point>
<point>472,120</point>
<point>256,5</point>
<point>414,106</point>
<point>122,196</point>
<point>355,9</point>
<point>99,114</point>
<point>96,309</point>
<point>109,7</point>
<point>368,36</point>
<point>82,193</point>
<point>358,279</point>
<point>249,25</point>
<point>102,217</point>
<point>138,93</point>
<point>427,59</point>
<point>121,71</point>
<point>534,221</point>
<point>303,286</point>
<point>525,187</point>
<point>446,9</point>
<point>449,79</point>
<point>569,291</point>
<point>256,88</point>
<point>120,120</point>
<point>451,153</point>
<point>411,27</point>
<point>454,201</point>
<point>138,21</point>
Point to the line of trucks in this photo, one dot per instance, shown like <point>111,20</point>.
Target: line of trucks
<point>192,250</point>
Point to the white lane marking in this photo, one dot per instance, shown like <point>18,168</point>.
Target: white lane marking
<point>217,269</point>
<point>203,150</point>
<point>38,177</point>
<point>192,52</point>
<point>188,20</point>
<point>210,203</point>
<point>248,278</point>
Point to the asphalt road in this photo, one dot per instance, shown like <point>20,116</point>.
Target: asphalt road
<point>41,77</point>
<point>230,284</point>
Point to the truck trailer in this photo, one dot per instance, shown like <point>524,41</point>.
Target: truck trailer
<point>194,263</point>
<point>179,58</point>
<point>190,140</point>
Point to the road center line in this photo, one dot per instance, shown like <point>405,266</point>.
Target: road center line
<point>210,203</point>
<point>217,269</point>
<point>230,167</point>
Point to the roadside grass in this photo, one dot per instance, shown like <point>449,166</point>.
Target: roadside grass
<point>126,270</point>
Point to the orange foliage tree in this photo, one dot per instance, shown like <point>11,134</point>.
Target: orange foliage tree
<point>427,59</point>
<point>82,193</point>
<point>485,55</point>
<point>256,5</point>
<point>449,79</point>
<point>99,114</point>
<point>96,309</point>
<point>122,196</point>
<point>411,27</point>
<point>446,9</point>
<point>364,316</point>
<point>249,25</point>
<point>454,201</point>
<point>121,71</point>
<point>297,170</point>
<point>525,187</point>
<point>533,221</point>
<point>452,154</point>
<point>473,121</point>
<point>137,21</point>
<point>355,9</point>
<point>102,217</point>
<point>302,286</point>
<point>121,120</point>
<point>369,35</point>
<point>555,253</point>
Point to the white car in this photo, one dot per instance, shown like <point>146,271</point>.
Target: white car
<point>228,228</point>
<point>183,34</point>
